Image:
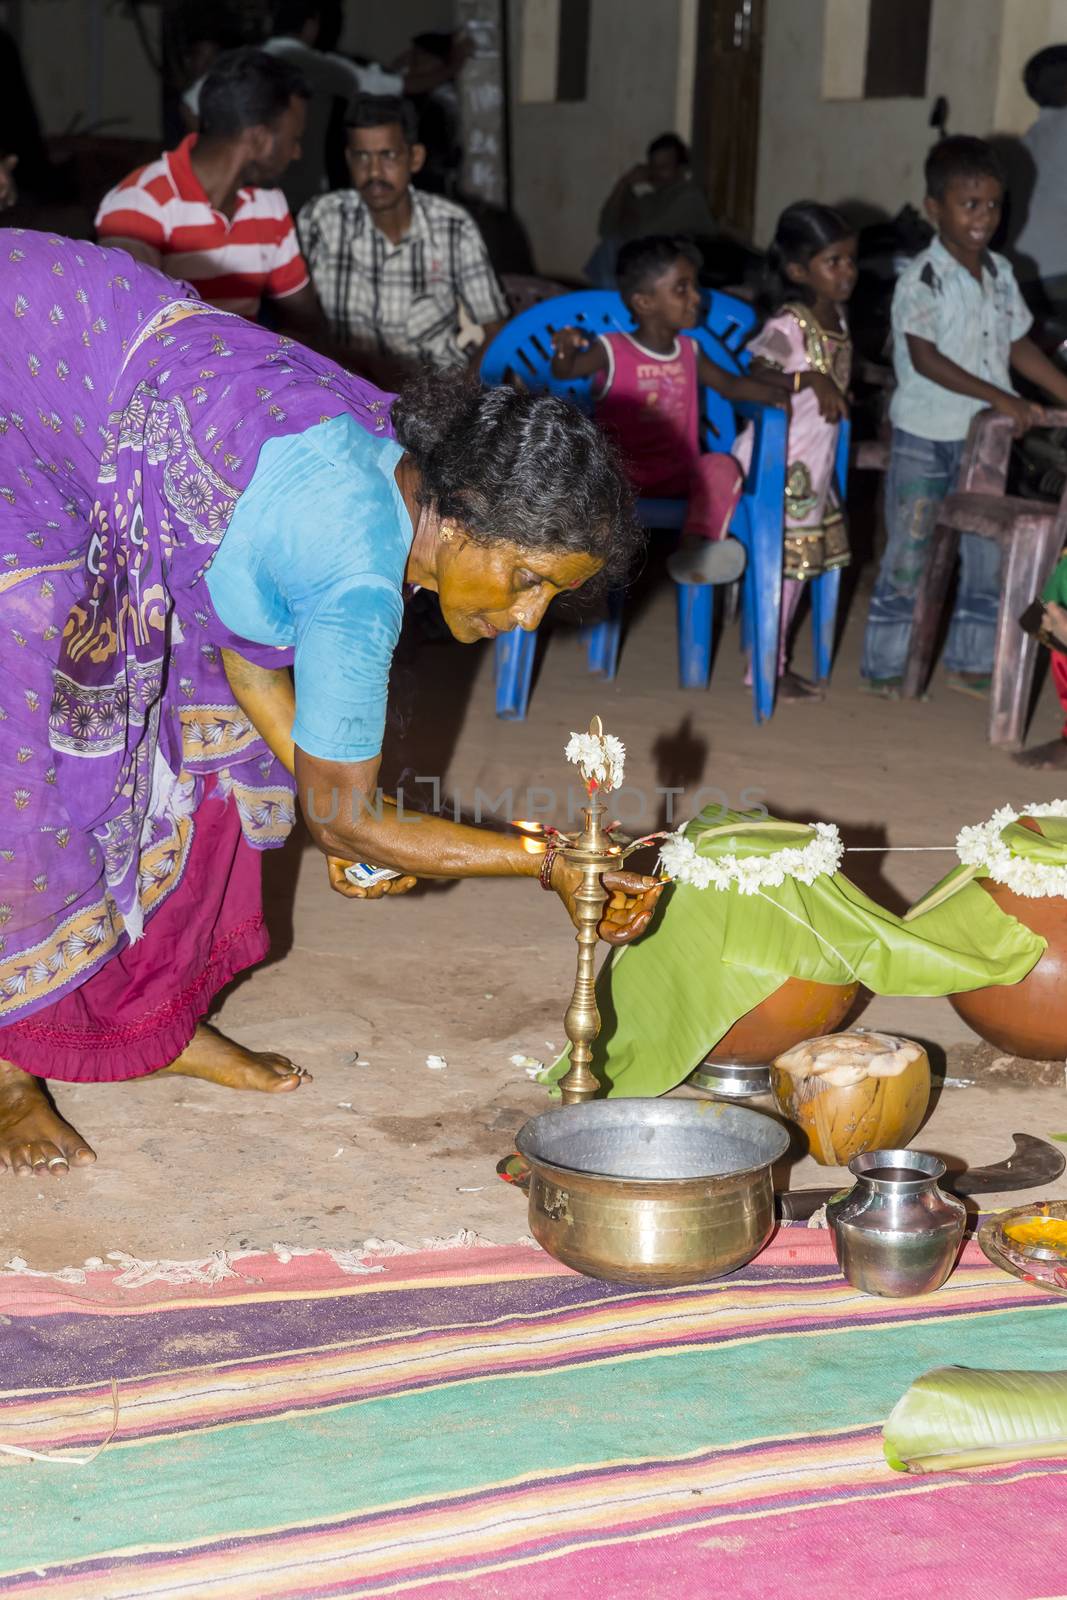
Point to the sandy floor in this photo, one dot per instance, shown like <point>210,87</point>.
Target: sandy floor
<point>379,1145</point>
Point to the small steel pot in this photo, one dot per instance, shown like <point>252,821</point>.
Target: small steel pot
<point>896,1235</point>
<point>652,1191</point>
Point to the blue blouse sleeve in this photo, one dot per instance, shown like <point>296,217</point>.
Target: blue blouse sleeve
<point>313,560</point>
<point>344,650</point>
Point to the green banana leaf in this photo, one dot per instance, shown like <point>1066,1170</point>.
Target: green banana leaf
<point>958,1417</point>
<point>1048,848</point>
<point>711,955</point>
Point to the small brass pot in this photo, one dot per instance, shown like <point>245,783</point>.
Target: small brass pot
<point>657,1192</point>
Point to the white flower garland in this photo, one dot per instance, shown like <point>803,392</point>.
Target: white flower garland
<point>599,758</point>
<point>680,860</point>
<point>981,846</point>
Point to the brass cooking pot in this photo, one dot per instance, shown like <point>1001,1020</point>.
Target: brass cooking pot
<point>650,1191</point>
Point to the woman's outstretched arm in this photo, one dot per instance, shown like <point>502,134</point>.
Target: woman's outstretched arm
<point>350,820</point>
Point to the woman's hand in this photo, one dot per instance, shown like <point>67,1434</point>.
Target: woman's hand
<point>833,407</point>
<point>335,867</point>
<point>632,899</point>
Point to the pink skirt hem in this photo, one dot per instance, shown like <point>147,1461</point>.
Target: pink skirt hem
<point>113,1053</point>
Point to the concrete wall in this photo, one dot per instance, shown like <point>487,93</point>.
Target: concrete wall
<point>566,157</point>
<point>1029,25</point>
<point>873,150</point>
<point>85,64</point>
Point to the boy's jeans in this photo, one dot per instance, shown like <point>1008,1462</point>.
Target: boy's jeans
<point>921,473</point>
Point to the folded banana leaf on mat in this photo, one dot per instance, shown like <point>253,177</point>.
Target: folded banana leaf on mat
<point>957,1417</point>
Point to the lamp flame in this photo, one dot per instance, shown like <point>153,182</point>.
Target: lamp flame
<point>534,844</point>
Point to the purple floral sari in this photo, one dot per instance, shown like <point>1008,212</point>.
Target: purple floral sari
<point>131,419</point>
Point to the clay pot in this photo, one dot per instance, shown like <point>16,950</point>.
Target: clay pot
<point>1028,1018</point>
<point>843,1122</point>
<point>796,1011</point>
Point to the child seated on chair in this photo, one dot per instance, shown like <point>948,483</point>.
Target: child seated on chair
<point>804,344</point>
<point>648,399</point>
<point>959,326</point>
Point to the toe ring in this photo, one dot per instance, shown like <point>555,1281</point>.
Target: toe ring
<point>58,1161</point>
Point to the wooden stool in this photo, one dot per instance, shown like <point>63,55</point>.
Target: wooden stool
<point>1031,535</point>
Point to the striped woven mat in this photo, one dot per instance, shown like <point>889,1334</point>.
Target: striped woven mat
<point>480,1422</point>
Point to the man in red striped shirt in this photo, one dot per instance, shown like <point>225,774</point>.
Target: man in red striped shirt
<point>204,212</point>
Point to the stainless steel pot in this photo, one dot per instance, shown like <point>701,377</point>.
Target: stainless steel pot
<point>652,1191</point>
<point>896,1233</point>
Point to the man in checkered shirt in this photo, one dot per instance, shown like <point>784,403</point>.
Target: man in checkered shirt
<point>403,276</point>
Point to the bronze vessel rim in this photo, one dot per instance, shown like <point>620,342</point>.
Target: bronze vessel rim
<point>561,1176</point>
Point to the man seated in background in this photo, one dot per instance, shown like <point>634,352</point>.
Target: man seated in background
<point>403,276</point>
<point>208,212</point>
<point>658,196</point>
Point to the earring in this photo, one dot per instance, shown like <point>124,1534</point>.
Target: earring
<point>446,531</point>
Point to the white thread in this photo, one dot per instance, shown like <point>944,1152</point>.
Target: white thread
<point>891,849</point>
<point>59,1460</point>
<point>808,927</point>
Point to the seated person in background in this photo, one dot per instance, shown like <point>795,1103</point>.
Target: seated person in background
<point>659,195</point>
<point>960,328</point>
<point>205,213</point>
<point>647,398</point>
<point>403,277</point>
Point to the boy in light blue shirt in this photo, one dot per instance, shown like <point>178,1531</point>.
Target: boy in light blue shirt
<point>960,327</point>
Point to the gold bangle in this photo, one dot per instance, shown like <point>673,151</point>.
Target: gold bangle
<point>796,382</point>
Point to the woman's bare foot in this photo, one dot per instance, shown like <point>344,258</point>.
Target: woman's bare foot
<point>216,1059</point>
<point>34,1139</point>
<point>1049,757</point>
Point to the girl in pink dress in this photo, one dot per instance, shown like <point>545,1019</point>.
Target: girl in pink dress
<point>647,388</point>
<point>803,347</point>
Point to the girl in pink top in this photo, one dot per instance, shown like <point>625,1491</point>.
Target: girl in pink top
<point>648,399</point>
<point>804,345</point>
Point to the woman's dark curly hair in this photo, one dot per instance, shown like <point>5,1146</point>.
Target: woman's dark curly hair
<point>519,468</point>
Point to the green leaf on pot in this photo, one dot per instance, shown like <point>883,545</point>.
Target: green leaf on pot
<point>957,1417</point>
<point>1046,847</point>
<point>949,885</point>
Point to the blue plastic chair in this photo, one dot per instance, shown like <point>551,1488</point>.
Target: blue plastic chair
<point>523,350</point>
<point>761,531</point>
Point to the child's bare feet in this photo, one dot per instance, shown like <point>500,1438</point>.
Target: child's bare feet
<point>791,686</point>
<point>882,688</point>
